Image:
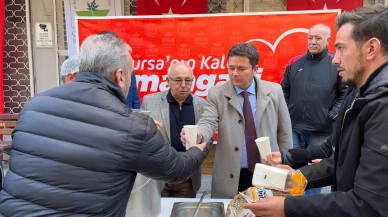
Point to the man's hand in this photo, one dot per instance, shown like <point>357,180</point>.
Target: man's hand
<point>274,158</point>
<point>183,136</point>
<point>192,144</point>
<point>315,161</point>
<point>286,167</point>
<point>268,207</point>
<point>158,124</point>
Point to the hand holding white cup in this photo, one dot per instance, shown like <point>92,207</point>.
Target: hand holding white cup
<point>264,146</point>
<point>201,146</point>
<point>274,158</point>
<point>190,132</point>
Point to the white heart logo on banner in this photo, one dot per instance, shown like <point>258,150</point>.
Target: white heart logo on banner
<point>273,47</point>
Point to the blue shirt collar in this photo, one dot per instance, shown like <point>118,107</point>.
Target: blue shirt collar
<point>251,89</point>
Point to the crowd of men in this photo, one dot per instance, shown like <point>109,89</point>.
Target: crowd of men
<point>78,147</point>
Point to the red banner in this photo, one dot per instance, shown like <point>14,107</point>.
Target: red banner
<point>160,7</point>
<point>204,41</point>
<point>344,5</point>
<point>2,20</point>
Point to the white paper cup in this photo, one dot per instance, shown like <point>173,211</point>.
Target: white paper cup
<point>191,132</point>
<point>264,146</point>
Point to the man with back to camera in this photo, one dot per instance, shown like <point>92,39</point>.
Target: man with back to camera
<point>70,69</point>
<point>358,167</point>
<point>77,148</point>
<point>133,99</point>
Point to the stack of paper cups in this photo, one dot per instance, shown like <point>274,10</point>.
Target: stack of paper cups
<point>264,146</point>
<point>191,132</point>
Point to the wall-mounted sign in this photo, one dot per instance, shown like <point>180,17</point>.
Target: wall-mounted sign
<point>43,35</point>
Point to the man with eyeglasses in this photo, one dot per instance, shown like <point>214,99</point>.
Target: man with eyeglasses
<point>171,110</point>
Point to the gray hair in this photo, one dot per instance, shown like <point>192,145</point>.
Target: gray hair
<point>183,63</point>
<point>327,29</point>
<point>70,66</point>
<point>104,55</point>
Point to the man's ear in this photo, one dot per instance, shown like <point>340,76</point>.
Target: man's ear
<point>328,39</point>
<point>70,78</point>
<point>119,78</point>
<point>255,69</point>
<point>373,47</point>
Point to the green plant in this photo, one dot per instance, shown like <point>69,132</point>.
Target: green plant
<point>93,6</point>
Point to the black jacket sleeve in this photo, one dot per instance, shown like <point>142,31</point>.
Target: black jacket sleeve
<point>285,83</point>
<point>162,162</point>
<point>297,157</point>
<point>368,198</point>
<point>369,195</point>
<point>341,91</point>
<point>320,174</point>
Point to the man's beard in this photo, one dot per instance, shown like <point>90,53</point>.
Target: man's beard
<point>358,71</point>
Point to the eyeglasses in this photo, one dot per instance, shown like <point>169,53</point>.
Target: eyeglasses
<point>180,81</point>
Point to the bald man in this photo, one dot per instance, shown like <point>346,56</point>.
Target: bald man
<point>313,91</point>
<point>172,109</point>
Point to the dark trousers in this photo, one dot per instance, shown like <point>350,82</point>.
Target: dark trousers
<point>182,190</point>
<point>245,180</point>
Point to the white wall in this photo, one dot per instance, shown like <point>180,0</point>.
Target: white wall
<point>45,60</point>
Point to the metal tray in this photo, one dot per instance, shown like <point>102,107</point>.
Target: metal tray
<point>208,209</point>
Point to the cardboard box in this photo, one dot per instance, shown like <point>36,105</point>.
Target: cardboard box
<point>207,164</point>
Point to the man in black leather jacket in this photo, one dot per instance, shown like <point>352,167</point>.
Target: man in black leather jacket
<point>358,168</point>
<point>313,90</point>
<point>77,148</point>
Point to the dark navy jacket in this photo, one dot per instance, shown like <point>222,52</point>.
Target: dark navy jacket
<point>133,99</point>
<point>77,149</point>
<point>358,168</point>
<point>313,91</point>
